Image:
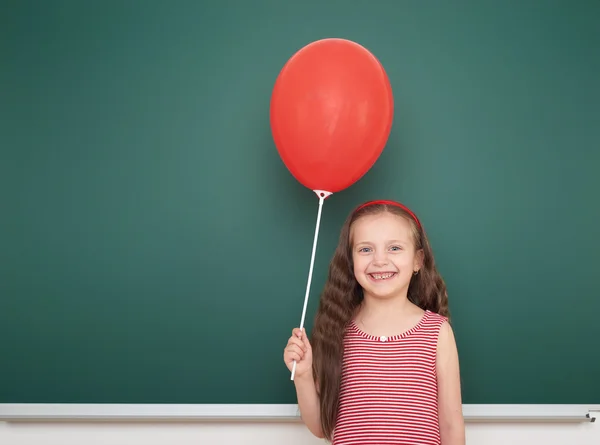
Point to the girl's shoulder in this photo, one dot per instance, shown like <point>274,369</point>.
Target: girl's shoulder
<point>433,321</point>
<point>434,317</point>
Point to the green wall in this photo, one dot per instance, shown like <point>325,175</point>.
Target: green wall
<point>154,248</point>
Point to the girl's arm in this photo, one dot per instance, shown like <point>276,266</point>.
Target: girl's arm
<point>452,427</point>
<point>308,403</point>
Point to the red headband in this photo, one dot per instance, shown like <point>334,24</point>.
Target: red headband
<point>392,203</point>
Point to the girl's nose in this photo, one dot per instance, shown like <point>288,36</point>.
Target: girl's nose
<point>380,258</point>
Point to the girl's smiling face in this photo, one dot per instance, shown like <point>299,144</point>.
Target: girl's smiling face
<point>384,254</point>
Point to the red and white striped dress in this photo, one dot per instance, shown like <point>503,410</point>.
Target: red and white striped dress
<point>388,393</point>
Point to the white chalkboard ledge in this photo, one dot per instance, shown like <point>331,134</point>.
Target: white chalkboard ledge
<point>266,413</point>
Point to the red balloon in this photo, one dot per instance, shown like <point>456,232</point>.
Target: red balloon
<point>331,113</point>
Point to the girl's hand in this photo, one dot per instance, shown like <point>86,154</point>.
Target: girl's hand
<point>298,348</point>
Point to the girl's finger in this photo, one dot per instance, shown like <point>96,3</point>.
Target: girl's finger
<point>294,356</point>
<point>296,341</point>
<point>296,349</point>
<point>305,341</point>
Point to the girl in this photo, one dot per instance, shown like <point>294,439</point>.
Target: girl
<point>382,364</point>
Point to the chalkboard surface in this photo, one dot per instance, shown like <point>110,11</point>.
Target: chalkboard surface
<point>154,248</point>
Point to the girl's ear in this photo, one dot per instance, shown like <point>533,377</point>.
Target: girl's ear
<point>419,260</point>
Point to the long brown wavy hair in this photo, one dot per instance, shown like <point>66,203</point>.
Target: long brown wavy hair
<point>342,296</point>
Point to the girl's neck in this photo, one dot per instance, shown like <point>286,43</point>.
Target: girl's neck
<point>388,316</point>
<point>381,308</point>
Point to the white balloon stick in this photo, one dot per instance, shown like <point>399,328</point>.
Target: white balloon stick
<point>322,196</point>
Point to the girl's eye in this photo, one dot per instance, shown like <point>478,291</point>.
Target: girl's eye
<point>396,248</point>
<point>363,249</point>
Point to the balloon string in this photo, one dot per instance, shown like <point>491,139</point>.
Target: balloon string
<point>322,195</point>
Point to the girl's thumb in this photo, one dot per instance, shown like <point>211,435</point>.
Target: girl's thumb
<point>305,339</point>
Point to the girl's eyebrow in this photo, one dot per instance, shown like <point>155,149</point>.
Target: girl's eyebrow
<point>394,241</point>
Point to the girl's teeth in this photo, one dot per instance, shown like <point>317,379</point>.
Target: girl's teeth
<point>379,276</point>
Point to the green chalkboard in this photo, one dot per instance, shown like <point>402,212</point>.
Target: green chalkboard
<point>155,249</point>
